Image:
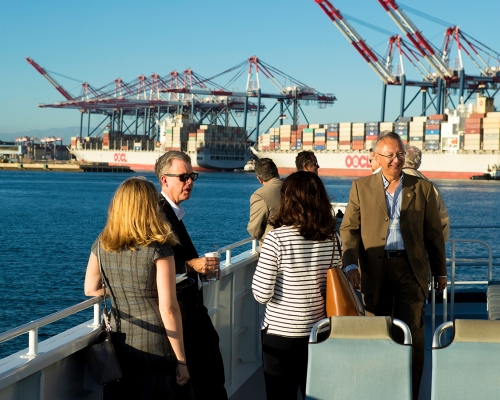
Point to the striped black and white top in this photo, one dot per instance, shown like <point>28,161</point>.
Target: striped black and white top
<point>291,280</point>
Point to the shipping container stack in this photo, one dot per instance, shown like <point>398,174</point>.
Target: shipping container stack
<point>401,127</point>
<point>416,132</point>
<point>296,138</point>
<point>371,133</point>
<point>264,141</point>
<point>319,137</point>
<point>345,136</point>
<point>300,136</point>
<point>473,132</point>
<point>332,136</point>
<point>285,132</point>
<point>433,131</point>
<point>274,139</point>
<point>491,131</point>
<point>308,138</point>
<point>386,127</point>
<point>358,135</point>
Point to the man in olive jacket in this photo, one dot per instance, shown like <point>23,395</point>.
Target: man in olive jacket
<point>391,233</point>
<point>265,201</point>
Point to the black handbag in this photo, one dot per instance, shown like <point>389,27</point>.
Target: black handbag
<point>100,354</point>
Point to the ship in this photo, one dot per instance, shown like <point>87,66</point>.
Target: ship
<point>211,147</point>
<point>456,145</point>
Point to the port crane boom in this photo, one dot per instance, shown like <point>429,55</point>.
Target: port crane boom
<point>42,71</point>
<point>357,41</point>
<point>417,38</point>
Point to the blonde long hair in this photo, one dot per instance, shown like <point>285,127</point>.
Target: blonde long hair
<point>134,217</point>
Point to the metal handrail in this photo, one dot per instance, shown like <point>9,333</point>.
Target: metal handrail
<point>454,260</point>
<point>32,327</point>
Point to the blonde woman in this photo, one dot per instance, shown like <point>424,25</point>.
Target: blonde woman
<point>139,269</point>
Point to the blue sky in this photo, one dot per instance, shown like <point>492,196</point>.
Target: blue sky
<point>98,41</point>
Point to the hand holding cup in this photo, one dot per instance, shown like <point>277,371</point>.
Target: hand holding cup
<point>213,266</point>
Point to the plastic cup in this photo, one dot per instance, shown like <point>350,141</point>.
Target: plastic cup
<point>211,276</point>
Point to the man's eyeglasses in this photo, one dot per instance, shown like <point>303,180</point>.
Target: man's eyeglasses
<point>184,177</point>
<point>399,155</point>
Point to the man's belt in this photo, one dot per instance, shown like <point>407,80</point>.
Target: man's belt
<point>394,253</point>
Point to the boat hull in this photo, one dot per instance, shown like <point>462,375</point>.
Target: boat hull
<point>356,164</point>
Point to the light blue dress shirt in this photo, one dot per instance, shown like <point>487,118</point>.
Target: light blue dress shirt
<point>394,239</point>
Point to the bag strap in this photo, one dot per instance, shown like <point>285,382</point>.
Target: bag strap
<point>105,313</point>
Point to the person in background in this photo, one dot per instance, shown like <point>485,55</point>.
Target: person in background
<point>373,162</point>
<point>265,201</point>
<point>413,160</point>
<point>290,279</point>
<point>306,161</point>
<point>138,265</point>
<point>175,173</point>
<point>390,224</point>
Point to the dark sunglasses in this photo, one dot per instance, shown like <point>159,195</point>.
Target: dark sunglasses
<point>184,177</point>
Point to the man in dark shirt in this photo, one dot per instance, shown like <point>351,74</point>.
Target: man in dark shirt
<point>201,341</point>
<point>307,161</point>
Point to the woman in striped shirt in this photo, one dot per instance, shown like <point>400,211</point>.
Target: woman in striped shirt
<point>290,280</point>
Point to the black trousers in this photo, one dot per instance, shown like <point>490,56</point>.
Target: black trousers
<point>398,294</point>
<point>204,361</point>
<point>285,365</point>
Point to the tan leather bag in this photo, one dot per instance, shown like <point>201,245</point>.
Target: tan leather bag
<point>341,297</point>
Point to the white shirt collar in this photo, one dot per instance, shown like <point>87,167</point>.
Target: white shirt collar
<point>178,210</point>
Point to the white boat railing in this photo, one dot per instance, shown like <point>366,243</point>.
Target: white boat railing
<point>32,327</point>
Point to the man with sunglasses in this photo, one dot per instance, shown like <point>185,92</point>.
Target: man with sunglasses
<point>201,341</point>
<point>391,233</point>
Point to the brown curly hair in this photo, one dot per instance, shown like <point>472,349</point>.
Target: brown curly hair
<point>306,206</point>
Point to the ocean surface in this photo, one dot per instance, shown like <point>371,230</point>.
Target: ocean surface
<point>49,221</point>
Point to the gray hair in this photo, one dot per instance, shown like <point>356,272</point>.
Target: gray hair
<point>413,157</point>
<point>266,169</point>
<point>380,136</point>
<point>386,135</point>
<point>164,162</point>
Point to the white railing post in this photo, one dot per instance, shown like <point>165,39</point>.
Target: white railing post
<point>254,246</point>
<point>33,343</point>
<point>97,314</point>
<point>228,257</point>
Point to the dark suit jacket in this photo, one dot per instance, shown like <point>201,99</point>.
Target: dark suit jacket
<point>184,250</point>
<point>366,221</point>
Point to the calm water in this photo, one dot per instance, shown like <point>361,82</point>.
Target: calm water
<point>50,220</point>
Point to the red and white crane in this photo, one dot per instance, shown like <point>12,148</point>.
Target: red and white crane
<point>42,71</point>
<point>404,23</point>
<point>357,41</point>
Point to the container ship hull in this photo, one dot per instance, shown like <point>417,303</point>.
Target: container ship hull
<point>143,160</point>
<point>356,164</point>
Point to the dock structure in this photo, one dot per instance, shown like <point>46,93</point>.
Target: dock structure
<point>65,167</point>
